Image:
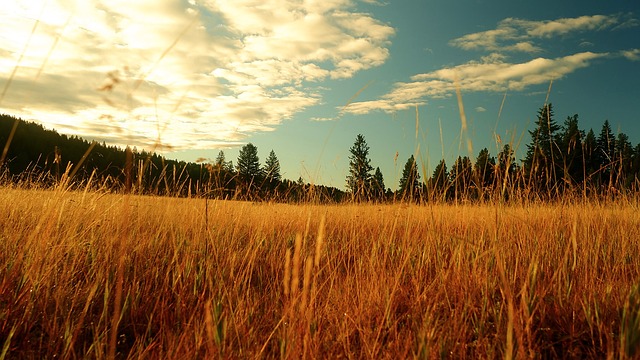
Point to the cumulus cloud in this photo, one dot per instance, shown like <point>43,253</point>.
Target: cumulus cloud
<point>518,35</point>
<point>185,74</point>
<point>491,74</point>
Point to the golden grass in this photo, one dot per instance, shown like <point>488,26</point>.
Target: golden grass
<point>90,275</point>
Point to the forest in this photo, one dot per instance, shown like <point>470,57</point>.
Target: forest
<point>39,157</point>
<point>561,159</point>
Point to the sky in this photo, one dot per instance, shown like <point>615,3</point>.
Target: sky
<point>431,78</point>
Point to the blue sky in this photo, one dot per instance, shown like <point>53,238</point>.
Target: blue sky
<point>188,78</point>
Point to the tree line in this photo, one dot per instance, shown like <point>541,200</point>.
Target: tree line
<point>560,160</point>
<point>39,157</point>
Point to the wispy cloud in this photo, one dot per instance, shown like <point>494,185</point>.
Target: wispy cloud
<point>518,35</point>
<point>320,119</point>
<point>487,75</point>
<point>200,73</point>
<point>493,72</point>
<point>633,54</point>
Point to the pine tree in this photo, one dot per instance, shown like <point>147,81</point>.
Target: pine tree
<point>272,169</point>
<point>248,167</point>
<point>506,169</point>
<point>439,179</point>
<point>460,175</point>
<point>590,158</point>
<point>623,157</point>
<point>410,181</point>
<point>635,167</point>
<point>605,153</point>
<point>222,163</point>
<point>378,185</point>
<point>359,178</point>
<point>542,153</point>
<point>483,169</point>
<point>571,149</point>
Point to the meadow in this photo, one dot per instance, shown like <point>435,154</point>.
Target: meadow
<point>87,274</point>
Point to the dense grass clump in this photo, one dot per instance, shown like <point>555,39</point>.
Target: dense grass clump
<point>91,275</point>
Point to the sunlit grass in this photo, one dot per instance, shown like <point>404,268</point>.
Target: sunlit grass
<point>85,274</point>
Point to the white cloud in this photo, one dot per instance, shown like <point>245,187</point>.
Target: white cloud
<point>517,35</point>
<point>320,119</point>
<point>193,74</point>
<point>633,54</point>
<point>564,26</point>
<point>375,2</point>
<point>386,105</point>
<point>490,39</point>
<point>480,109</point>
<point>492,74</point>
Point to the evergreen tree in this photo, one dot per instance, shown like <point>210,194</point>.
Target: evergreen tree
<point>410,181</point>
<point>623,159</point>
<point>248,168</point>
<point>605,153</point>
<point>506,163</point>
<point>542,153</point>
<point>221,176</point>
<point>571,149</point>
<point>460,175</point>
<point>220,159</point>
<point>483,169</point>
<point>439,179</point>
<point>359,178</point>
<point>378,185</point>
<point>272,170</point>
<point>222,163</point>
<point>506,169</point>
<point>590,158</point>
<point>635,167</point>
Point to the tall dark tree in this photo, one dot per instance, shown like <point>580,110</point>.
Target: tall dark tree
<point>635,167</point>
<point>590,158</point>
<point>222,163</point>
<point>623,159</point>
<point>248,168</point>
<point>542,153</point>
<point>221,176</point>
<point>359,178</point>
<point>506,165</point>
<point>440,180</point>
<point>605,153</point>
<point>571,149</point>
<point>378,185</point>
<point>461,177</point>
<point>271,171</point>
<point>506,169</point>
<point>410,181</point>
<point>484,169</point>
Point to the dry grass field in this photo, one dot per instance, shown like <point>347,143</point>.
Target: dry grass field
<point>92,275</point>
